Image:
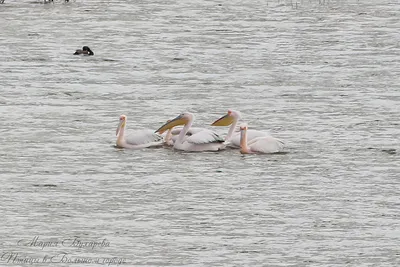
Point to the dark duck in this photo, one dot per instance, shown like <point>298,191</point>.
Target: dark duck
<point>84,51</point>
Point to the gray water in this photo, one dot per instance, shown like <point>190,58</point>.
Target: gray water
<point>322,75</point>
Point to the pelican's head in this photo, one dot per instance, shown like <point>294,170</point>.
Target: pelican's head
<point>228,119</point>
<point>122,122</point>
<point>244,127</point>
<point>181,119</point>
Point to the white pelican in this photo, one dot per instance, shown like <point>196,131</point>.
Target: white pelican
<point>202,140</point>
<point>263,144</point>
<point>138,139</point>
<point>233,137</point>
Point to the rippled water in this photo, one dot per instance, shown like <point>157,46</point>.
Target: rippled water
<point>322,75</point>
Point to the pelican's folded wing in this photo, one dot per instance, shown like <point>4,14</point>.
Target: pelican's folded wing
<point>251,134</point>
<point>266,144</point>
<point>204,137</point>
<point>192,130</point>
<point>145,136</point>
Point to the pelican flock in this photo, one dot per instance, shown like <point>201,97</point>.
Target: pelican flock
<point>202,140</point>
<point>179,134</point>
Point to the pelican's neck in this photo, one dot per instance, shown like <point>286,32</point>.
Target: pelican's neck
<point>121,134</point>
<point>243,141</point>
<point>168,137</point>
<point>184,131</point>
<point>232,129</point>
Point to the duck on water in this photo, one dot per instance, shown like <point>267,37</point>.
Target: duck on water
<point>84,51</point>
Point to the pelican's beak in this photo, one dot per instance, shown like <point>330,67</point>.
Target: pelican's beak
<point>163,131</point>
<point>171,124</point>
<point>223,121</point>
<point>121,122</point>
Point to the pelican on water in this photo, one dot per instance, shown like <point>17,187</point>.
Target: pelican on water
<point>263,144</point>
<point>202,140</point>
<point>138,139</point>
<point>233,137</point>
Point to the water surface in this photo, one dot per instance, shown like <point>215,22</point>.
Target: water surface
<point>321,75</point>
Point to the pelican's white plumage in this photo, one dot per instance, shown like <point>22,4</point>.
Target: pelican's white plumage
<point>233,137</point>
<point>204,136</point>
<point>263,144</point>
<point>192,130</point>
<point>199,140</point>
<point>138,139</point>
<point>234,141</point>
